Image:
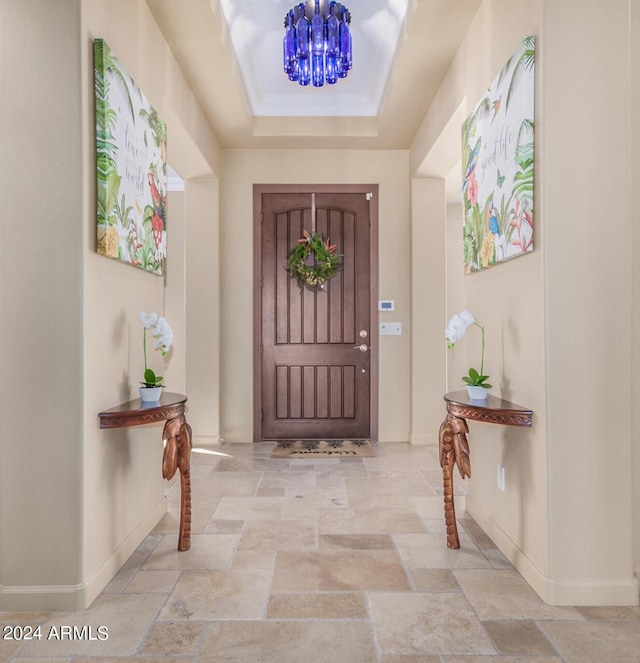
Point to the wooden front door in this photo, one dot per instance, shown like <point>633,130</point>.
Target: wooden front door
<point>317,350</point>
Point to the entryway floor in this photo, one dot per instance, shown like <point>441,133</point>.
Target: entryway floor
<point>316,560</point>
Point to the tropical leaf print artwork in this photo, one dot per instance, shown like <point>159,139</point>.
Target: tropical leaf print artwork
<point>497,166</point>
<point>131,166</point>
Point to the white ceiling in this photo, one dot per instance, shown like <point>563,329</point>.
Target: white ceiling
<point>230,52</point>
<point>256,36</point>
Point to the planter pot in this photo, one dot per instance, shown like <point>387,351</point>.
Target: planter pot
<point>477,393</point>
<point>150,394</point>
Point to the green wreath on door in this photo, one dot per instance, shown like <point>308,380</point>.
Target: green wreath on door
<point>326,262</point>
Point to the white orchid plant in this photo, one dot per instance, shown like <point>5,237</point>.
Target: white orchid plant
<point>455,330</point>
<point>163,335</point>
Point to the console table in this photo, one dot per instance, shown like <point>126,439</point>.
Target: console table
<point>454,446</point>
<point>176,436</point>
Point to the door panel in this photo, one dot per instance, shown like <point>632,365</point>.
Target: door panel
<point>315,380</point>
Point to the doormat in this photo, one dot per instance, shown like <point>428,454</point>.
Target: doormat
<point>323,449</point>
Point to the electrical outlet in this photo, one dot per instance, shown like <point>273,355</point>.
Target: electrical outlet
<point>501,478</point>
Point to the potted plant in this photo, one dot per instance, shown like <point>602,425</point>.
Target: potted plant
<point>152,386</point>
<point>476,381</point>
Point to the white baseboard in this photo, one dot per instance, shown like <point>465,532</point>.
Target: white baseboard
<point>55,598</point>
<point>594,592</point>
<point>574,592</point>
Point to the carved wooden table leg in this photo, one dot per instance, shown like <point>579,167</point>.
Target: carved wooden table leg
<point>453,450</point>
<point>177,455</point>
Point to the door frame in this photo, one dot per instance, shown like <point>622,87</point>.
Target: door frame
<point>258,190</point>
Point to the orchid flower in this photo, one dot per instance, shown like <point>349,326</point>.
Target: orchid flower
<point>161,331</point>
<point>455,330</point>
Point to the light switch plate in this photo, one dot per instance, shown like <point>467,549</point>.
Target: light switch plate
<point>390,329</point>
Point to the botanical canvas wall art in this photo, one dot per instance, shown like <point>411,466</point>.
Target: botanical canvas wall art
<point>497,166</point>
<point>131,168</point>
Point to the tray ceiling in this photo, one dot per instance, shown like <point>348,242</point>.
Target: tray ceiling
<point>230,52</point>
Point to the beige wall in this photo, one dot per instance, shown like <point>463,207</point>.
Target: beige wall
<point>203,310</point>
<point>588,301</point>
<point>243,168</point>
<point>428,290</point>
<point>635,325</point>
<point>41,328</point>
<point>91,495</point>
<point>551,344</point>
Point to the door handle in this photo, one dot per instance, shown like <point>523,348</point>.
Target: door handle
<point>363,347</point>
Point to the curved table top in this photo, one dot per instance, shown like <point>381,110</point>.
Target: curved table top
<point>494,410</point>
<point>137,412</point>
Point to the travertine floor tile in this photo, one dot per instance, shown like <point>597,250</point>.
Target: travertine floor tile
<point>380,501</point>
<point>133,659</point>
<point>505,595</point>
<point>208,551</point>
<point>429,551</point>
<point>249,508</point>
<point>234,465</point>
<point>497,559</point>
<point>224,526</point>
<point>433,507</point>
<point>153,582</point>
<point>336,605</point>
<point>427,623</point>
<point>594,641</point>
<point>348,570</point>
<point>8,648</point>
<point>200,518</point>
<point>276,491</point>
<point>126,616</point>
<point>225,484</point>
<point>477,535</point>
<point>150,542</point>
<point>127,572</point>
<point>434,477</point>
<point>278,535</point>
<point>355,542</point>
<point>169,523</point>
<point>329,498</point>
<point>206,595</point>
<point>288,642</point>
<point>400,457</point>
<point>316,561</point>
<point>501,659</point>
<point>408,477</point>
<point>166,638</point>
<point>254,559</point>
<point>300,507</point>
<point>437,526</point>
<point>613,613</point>
<point>399,658</point>
<point>370,520</point>
<point>434,580</point>
<point>519,638</point>
<point>293,479</point>
<point>414,485</point>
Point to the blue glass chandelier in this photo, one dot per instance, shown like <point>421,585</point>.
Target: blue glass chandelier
<point>317,42</point>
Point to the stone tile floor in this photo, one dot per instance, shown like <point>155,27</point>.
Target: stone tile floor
<point>314,561</point>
